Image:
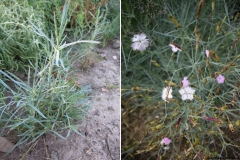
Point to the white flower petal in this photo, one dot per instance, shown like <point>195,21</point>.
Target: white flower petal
<point>182,91</point>
<point>135,46</point>
<point>190,90</point>
<point>166,148</point>
<point>190,96</point>
<point>162,142</point>
<point>143,45</point>
<point>135,38</point>
<point>184,97</point>
<point>145,42</point>
<point>170,93</point>
<point>164,93</point>
<point>142,36</point>
<point>174,49</point>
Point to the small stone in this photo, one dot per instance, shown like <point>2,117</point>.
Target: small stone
<point>104,90</point>
<point>115,57</point>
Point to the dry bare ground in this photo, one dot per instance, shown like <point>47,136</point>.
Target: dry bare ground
<point>101,127</point>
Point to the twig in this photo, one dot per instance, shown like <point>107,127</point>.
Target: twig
<point>29,149</point>
<point>45,147</point>
<point>108,146</point>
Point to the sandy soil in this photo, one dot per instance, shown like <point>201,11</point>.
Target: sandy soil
<point>101,127</point>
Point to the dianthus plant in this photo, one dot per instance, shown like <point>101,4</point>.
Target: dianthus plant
<point>185,85</point>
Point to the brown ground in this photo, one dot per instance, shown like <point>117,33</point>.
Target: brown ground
<point>101,128</point>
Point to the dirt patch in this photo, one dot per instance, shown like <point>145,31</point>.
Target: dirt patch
<point>101,127</point>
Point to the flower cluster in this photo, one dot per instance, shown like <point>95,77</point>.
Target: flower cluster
<point>141,43</point>
<point>186,91</point>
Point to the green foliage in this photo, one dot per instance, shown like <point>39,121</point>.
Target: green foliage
<point>18,42</point>
<point>49,105</point>
<point>145,74</point>
<point>112,26</point>
<point>19,45</point>
<point>49,102</point>
<point>36,40</point>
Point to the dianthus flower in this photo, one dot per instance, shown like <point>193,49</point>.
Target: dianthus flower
<point>164,93</point>
<point>165,141</point>
<point>185,82</point>
<point>187,93</point>
<point>175,48</point>
<point>220,79</point>
<point>207,53</point>
<point>140,42</point>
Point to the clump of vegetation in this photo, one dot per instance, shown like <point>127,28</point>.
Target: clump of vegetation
<point>37,40</point>
<point>18,42</point>
<point>180,79</point>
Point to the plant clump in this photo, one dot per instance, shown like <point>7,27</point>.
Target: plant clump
<point>39,42</point>
<point>184,87</point>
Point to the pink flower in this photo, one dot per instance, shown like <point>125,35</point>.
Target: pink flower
<point>207,53</point>
<point>185,82</point>
<point>220,79</point>
<point>165,141</point>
